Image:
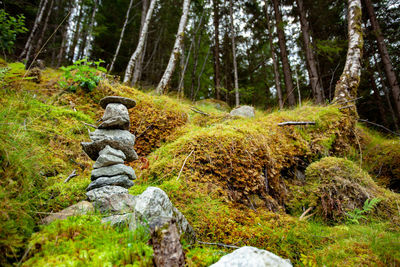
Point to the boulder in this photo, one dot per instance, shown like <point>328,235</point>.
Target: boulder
<point>251,257</point>
<point>113,170</point>
<point>243,111</point>
<point>116,204</point>
<point>117,139</point>
<point>116,116</point>
<point>120,180</point>
<point>127,102</point>
<point>107,160</point>
<point>80,208</point>
<point>127,219</point>
<point>105,191</point>
<point>112,152</point>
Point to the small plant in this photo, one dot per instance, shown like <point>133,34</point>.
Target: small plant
<point>10,27</point>
<point>83,73</point>
<point>354,216</point>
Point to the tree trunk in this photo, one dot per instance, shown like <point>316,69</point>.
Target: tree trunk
<point>217,81</point>
<point>163,85</point>
<point>196,60</point>
<point>235,71</point>
<point>287,73</point>
<point>346,87</point>
<point>89,33</point>
<point>139,48</point>
<point>274,59</point>
<point>200,74</point>
<point>137,73</point>
<point>38,19</point>
<point>46,23</point>
<point>71,53</point>
<point>312,67</point>
<point>378,100</point>
<point>121,37</point>
<point>390,74</point>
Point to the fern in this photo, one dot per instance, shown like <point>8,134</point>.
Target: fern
<point>356,215</point>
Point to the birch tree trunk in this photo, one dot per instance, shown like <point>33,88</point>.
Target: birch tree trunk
<point>346,87</point>
<point>71,53</point>
<point>137,73</point>
<point>235,71</point>
<point>387,64</point>
<point>139,48</point>
<point>287,73</point>
<point>46,23</point>
<point>89,33</point>
<point>312,67</point>
<point>163,85</point>
<point>38,19</point>
<point>121,37</point>
<point>274,59</point>
<point>217,84</point>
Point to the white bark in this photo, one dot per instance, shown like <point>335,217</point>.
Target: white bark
<point>121,36</point>
<point>139,48</point>
<point>46,23</point>
<point>175,52</point>
<point>234,55</point>
<point>137,73</point>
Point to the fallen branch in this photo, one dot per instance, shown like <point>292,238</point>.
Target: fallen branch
<point>378,125</point>
<point>199,111</point>
<point>349,106</point>
<point>302,217</point>
<point>217,244</point>
<point>180,172</point>
<point>347,101</point>
<point>73,174</point>
<point>296,123</point>
<point>88,124</point>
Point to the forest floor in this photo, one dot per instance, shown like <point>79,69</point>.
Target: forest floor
<point>237,181</point>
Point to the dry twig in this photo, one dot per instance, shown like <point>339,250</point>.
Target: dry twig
<point>73,174</point>
<point>180,172</point>
<point>296,123</point>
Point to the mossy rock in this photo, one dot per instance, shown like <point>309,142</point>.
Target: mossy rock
<point>336,186</point>
<point>215,103</point>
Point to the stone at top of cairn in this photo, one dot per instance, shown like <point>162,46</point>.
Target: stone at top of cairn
<point>127,102</point>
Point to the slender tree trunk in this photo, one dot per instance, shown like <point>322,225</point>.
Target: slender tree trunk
<point>390,74</point>
<point>121,37</point>
<point>312,66</point>
<point>378,99</point>
<point>235,71</point>
<point>200,74</point>
<point>196,60</point>
<point>287,73</point>
<point>38,19</point>
<point>139,65</point>
<point>71,53</point>
<point>217,81</point>
<point>53,45</point>
<point>89,33</point>
<point>182,69</point>
<point>83,37</point>
<point>274,59</point>
<point>139,48</point>
<point>346,87</point>
<point>44,29</point>
<point>163,85</point>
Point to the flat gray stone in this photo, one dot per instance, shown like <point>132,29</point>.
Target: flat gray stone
<point>118,139</point>
<point>113,152</point>
<point>80,208</point>
<point>116,204</point>
<point>105,191</point>
<point>107,160</point>
<point>120,180</point>
<point>251,257</point>
<point>122,220</point>
<point>127,102</point>
<point>116,116</point>
<point>243,111</point>
<point>113,170</point>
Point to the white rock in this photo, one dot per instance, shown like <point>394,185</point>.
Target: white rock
<point>251,257</point>
<point>105,191</point>
<point>243,111</point>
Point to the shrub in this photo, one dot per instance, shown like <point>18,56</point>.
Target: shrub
<point>10,27</point>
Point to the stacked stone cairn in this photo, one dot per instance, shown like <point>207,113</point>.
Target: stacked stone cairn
<point>111,145</point>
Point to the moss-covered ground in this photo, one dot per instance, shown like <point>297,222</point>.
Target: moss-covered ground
<point>237,181</point>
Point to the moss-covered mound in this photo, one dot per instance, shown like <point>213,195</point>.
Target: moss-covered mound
<point>337,186</point>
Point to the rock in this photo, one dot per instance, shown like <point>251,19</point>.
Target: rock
<point>116,204</point>
<point>107,160</point>
<point>35,75</point>
<point>105,191</point>
<point>80,208</point>
<point>113,152</point>
<point>127,219</point>
<point>154,203</point>
<point>120,180</point>
<point>127,102</point>
<point>114,170</point>
<point>251,257</point>
<point>116,116</point>
<point>243,111</point>
<point>166,243</point>
<point>117,139</point>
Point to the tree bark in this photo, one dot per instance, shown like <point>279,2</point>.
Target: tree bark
<point>235,71</point>
<point>274,59</point>
<point>200,74</point>
<point>71,53</point>
<point>390,74</point>
<point>46,23</point>
<point>196,60</point>
<point>137,73</point>
<point>164,82</point>
<point>139,48</point>
<point>217,81</point>
<point>346,87</point>
<point>378,100</point>
<point>287,73</point>
<point>312,67</point>
<point>38,19</point>
<point>89,32</point>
